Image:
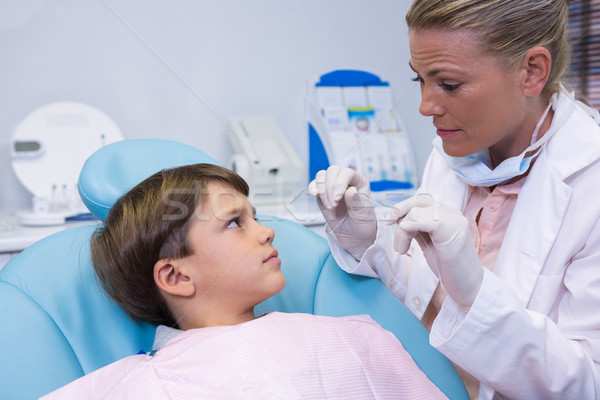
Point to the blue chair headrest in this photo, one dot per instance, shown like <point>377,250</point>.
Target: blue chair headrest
<point>114,169</point>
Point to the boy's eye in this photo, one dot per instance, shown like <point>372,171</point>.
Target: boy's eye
<point>234,223</point>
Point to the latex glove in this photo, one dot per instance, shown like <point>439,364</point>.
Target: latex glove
<point>344,198</point>
<point>445,237</point>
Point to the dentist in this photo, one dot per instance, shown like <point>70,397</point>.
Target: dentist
<point>504,268</point>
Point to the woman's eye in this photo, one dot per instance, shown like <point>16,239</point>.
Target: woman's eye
<point>449,87</point>
<point>234,223</point>
<point>417,79</point>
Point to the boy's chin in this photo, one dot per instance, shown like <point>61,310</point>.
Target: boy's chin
<point>281,286</point>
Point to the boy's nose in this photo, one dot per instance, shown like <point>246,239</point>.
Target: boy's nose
<point>265,234</point>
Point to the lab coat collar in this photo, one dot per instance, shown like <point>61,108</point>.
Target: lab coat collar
<point>544,198</point>
<point>576,145</point>
<point>532,230</point>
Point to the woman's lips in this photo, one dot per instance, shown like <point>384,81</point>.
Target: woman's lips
<point>446,133</point>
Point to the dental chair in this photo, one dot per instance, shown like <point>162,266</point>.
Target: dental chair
<point>56,323</point>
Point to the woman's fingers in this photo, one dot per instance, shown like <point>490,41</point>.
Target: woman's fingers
<point>400,210</point>
<point>330,185</point>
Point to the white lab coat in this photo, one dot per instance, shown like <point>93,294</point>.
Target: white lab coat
<point>533,331</point>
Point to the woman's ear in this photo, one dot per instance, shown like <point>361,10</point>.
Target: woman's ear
<point>171,279</point>
<point>536,67</point>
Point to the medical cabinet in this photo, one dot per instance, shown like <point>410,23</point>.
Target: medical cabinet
<point>351,123</point>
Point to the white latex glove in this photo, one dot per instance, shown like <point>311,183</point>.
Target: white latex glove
<point>445,237</point>
<point>344,198</point>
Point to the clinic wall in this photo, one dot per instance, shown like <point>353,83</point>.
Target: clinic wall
<point>177,69</point>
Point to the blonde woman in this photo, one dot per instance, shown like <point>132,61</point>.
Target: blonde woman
<point>505,266</point>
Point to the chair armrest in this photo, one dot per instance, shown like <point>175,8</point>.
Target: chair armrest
<point>35,357</point>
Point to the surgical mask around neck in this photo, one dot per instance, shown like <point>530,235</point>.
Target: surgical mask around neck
<point>475,169</point>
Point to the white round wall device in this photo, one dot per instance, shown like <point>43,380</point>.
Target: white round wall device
<point>48,150</point>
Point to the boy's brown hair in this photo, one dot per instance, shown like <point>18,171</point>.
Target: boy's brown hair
<point>147,224</point>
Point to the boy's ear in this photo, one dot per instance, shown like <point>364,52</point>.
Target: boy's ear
<point>171,279</point>
<point>536,67</point>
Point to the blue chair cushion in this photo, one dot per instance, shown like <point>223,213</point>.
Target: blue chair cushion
<point>57,324</point>
<point>114,169</point>
<point>300,267</point>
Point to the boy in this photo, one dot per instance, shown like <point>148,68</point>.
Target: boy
<point>183,249</point>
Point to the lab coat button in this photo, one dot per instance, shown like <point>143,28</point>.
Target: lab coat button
<point>416,303</point>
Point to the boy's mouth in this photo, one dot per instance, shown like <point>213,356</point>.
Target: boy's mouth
<point>272,256</point>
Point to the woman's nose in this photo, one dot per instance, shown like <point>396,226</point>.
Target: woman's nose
<point>430,105</point>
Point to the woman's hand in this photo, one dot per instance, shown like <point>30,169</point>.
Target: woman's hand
<point>344,198</point>
<point>444,236</point>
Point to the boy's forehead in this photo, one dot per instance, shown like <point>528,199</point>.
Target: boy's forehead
<point>223,199</point>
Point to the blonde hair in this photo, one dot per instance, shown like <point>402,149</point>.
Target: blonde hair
<point>508,29</point>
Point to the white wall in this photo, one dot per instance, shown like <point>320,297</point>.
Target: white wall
<point>177,69</point>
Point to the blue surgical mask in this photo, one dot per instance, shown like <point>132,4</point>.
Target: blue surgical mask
<point>475,169</point>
